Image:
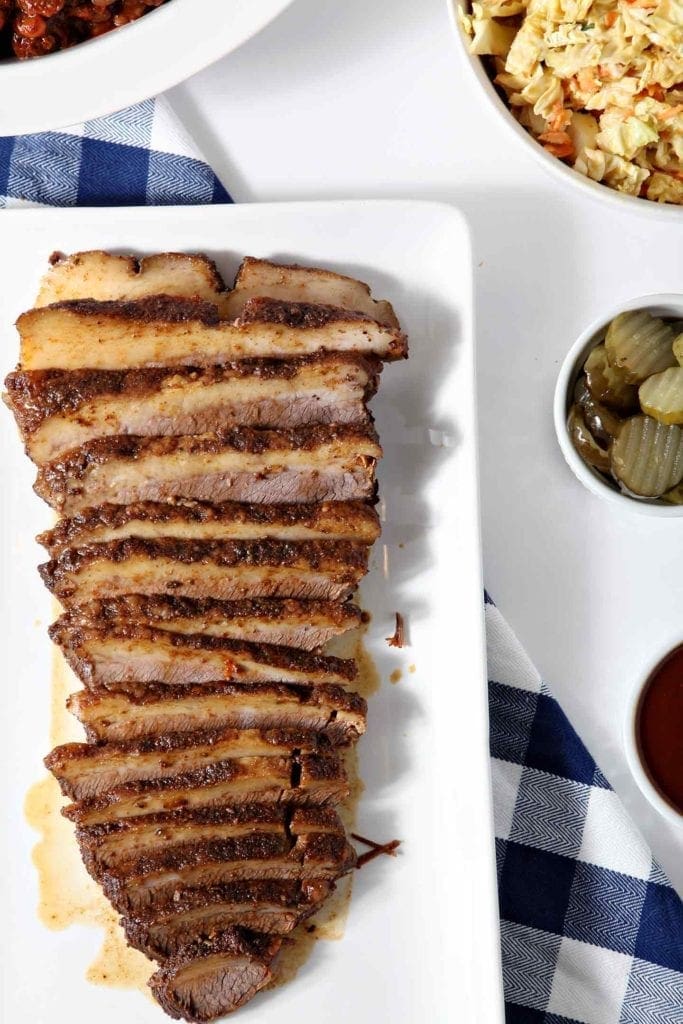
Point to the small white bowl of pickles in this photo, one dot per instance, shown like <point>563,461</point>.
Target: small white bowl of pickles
<point>619,406</point>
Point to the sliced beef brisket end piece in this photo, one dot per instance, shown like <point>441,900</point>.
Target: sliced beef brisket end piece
<point>211,978</point>
<point>291,283</point>
<point>100,275</point>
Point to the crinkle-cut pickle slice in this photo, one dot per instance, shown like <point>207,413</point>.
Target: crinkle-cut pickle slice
<point>609,385</point>
<point>674,496</point>
<point>661,395</point>
<point>584,442</point>
<point>647,457</point>
<point>639,344</point>
<point>603,424</point>
<point>678,345</point>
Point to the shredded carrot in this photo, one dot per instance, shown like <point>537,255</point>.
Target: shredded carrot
<point>557,143</point>
<point>560,117</point>
<point>610,19</point>
<point>655,91</point>
<point>555,138</point>
<point>666,115</point>
<point>588,80</point>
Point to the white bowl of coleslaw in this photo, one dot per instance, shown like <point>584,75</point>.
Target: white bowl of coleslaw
<point>597,189</point>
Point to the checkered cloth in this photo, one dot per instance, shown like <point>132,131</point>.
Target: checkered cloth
<point>139,157</point>
<point>592,932</point>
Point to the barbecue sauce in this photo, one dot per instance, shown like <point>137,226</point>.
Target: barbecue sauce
<point>660,728</point>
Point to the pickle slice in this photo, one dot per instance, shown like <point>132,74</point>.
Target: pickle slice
<point>608,385</point>
<point>584,442</point>
<point>603,424</point>
<point>678,347</point>
<point>639,344</point>
<point>647,457</point>
<point>674,496</point>
<point>661,395</point>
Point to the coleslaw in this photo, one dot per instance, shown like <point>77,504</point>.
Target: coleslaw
<point>599,83</point>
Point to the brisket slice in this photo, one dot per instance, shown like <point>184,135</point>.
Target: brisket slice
<point>308,464</point>
<point>227,569</point>
<point>287,623</point>
<point>108,844</point>
<point>211,978</point>
<point>336,713</point>
<point>106,277</point>
<point>86,770</point>
<point>290,283</point>
<point>301,779</point>
<point>58,410</point>
<point>197,520</point>
<point>116,655</point>
<point>139,882</point>
<point>166,331</point>
<point>271,906</point>
<point>103,276</point>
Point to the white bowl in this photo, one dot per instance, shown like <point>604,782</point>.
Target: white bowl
<point>635,763</point>
<point>554,166</point>
<point>126,65</point>
<point>661,305</point>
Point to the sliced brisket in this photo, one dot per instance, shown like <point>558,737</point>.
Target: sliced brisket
<point>156,710</point>
<point>289,623</point>
<point>227,569</point>
<point>167,331</point>
<point>196,520</point>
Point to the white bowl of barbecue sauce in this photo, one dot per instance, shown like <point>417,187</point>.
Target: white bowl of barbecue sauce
<point>653,735</point>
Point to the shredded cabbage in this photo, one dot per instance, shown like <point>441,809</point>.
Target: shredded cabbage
<point>599,83</point>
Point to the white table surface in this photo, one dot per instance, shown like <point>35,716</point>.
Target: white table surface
<point>369,98</point>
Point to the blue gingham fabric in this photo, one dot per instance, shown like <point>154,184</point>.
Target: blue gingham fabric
<point>591,930</point>
<point>141,156</point>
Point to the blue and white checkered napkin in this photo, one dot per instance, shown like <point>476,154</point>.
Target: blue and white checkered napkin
<point>139,157</point>
<point>592,932</point>
<point>591,929</point>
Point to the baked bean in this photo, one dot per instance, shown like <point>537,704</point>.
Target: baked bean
<point>32,28</point>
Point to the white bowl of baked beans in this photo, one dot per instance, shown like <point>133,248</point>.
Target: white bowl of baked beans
<point>67,61</point>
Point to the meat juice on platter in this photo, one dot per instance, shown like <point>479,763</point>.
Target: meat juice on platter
<point>212,455</point>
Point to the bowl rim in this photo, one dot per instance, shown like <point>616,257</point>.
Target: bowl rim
<point>595,190</point>
<point>28,106</point>
<point>630,737</point>
<point>666,303</point>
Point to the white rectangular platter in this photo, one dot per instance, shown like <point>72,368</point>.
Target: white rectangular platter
<point>421,939</point>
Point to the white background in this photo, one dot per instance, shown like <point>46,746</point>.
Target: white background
<point>370,98</point>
